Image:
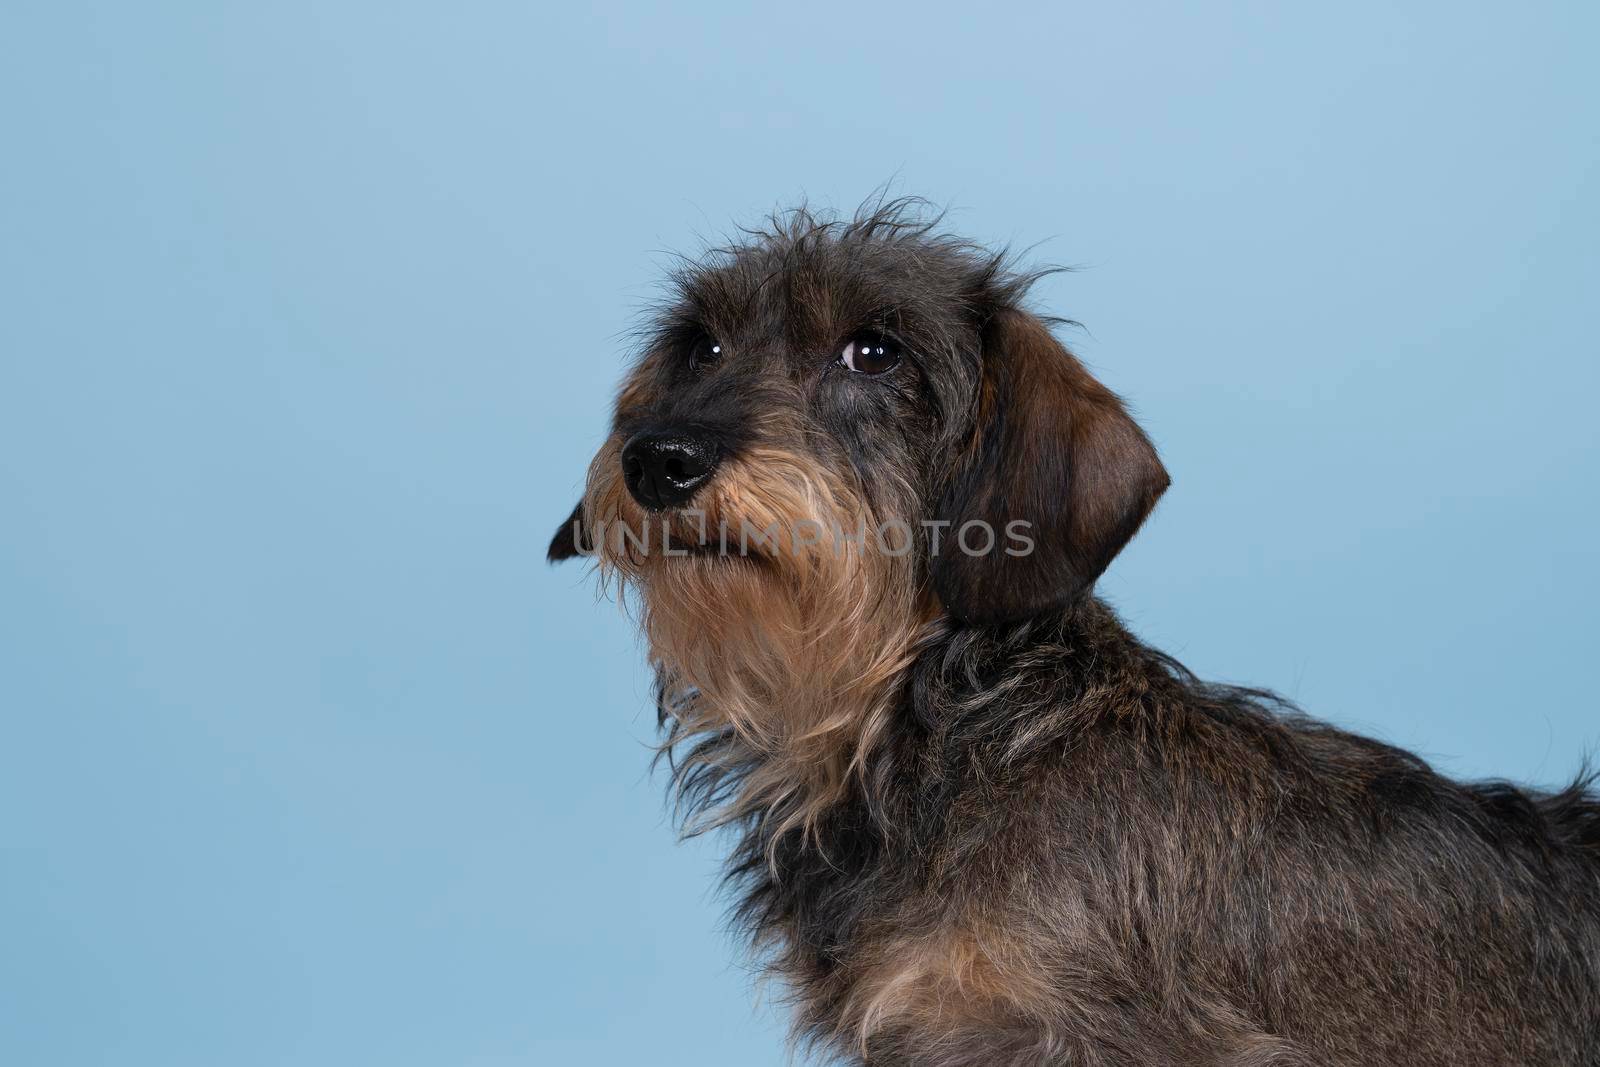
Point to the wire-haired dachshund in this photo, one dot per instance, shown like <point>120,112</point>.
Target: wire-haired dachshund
<point>861,494</point>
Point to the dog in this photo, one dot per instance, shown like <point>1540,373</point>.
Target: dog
<point>860,495</point>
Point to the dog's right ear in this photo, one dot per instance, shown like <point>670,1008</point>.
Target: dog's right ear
<point>569,538</point>
<point>1053,449</point>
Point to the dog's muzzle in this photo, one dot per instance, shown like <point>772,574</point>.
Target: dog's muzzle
<point>663,469</point>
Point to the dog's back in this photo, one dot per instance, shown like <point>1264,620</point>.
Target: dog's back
<point>1276,890</point>
<point>1571,817</point>
<point>1434,922</point>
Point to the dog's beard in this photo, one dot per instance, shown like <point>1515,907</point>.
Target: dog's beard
<point>779,630</point>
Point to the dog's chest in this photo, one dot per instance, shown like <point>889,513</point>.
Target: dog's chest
<point>914,946</point>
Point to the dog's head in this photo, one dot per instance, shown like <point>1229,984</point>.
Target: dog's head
<point>840,432</point>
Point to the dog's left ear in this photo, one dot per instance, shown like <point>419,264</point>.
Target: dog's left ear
<point>1055,449</point>
<point>565,544</point>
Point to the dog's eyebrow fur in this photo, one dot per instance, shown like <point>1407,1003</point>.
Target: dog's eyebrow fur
<point>975,820</point>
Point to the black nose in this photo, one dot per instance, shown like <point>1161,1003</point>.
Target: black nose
<point>662,470</point>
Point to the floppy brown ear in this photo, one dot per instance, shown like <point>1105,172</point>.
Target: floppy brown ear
<point>565,544</point>
<point>1054,449</point>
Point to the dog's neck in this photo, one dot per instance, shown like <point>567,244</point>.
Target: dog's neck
<point>795,701</point>
<point>788,732</point>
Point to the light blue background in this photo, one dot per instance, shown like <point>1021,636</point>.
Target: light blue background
<point>311,317</point>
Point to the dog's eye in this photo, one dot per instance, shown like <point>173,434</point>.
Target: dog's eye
<point>870,353</point>
<point>704,353</point>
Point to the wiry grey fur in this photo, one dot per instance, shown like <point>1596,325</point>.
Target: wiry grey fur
<point>1062,848</point>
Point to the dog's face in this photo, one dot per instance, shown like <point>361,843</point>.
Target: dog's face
<point>839,433</point>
